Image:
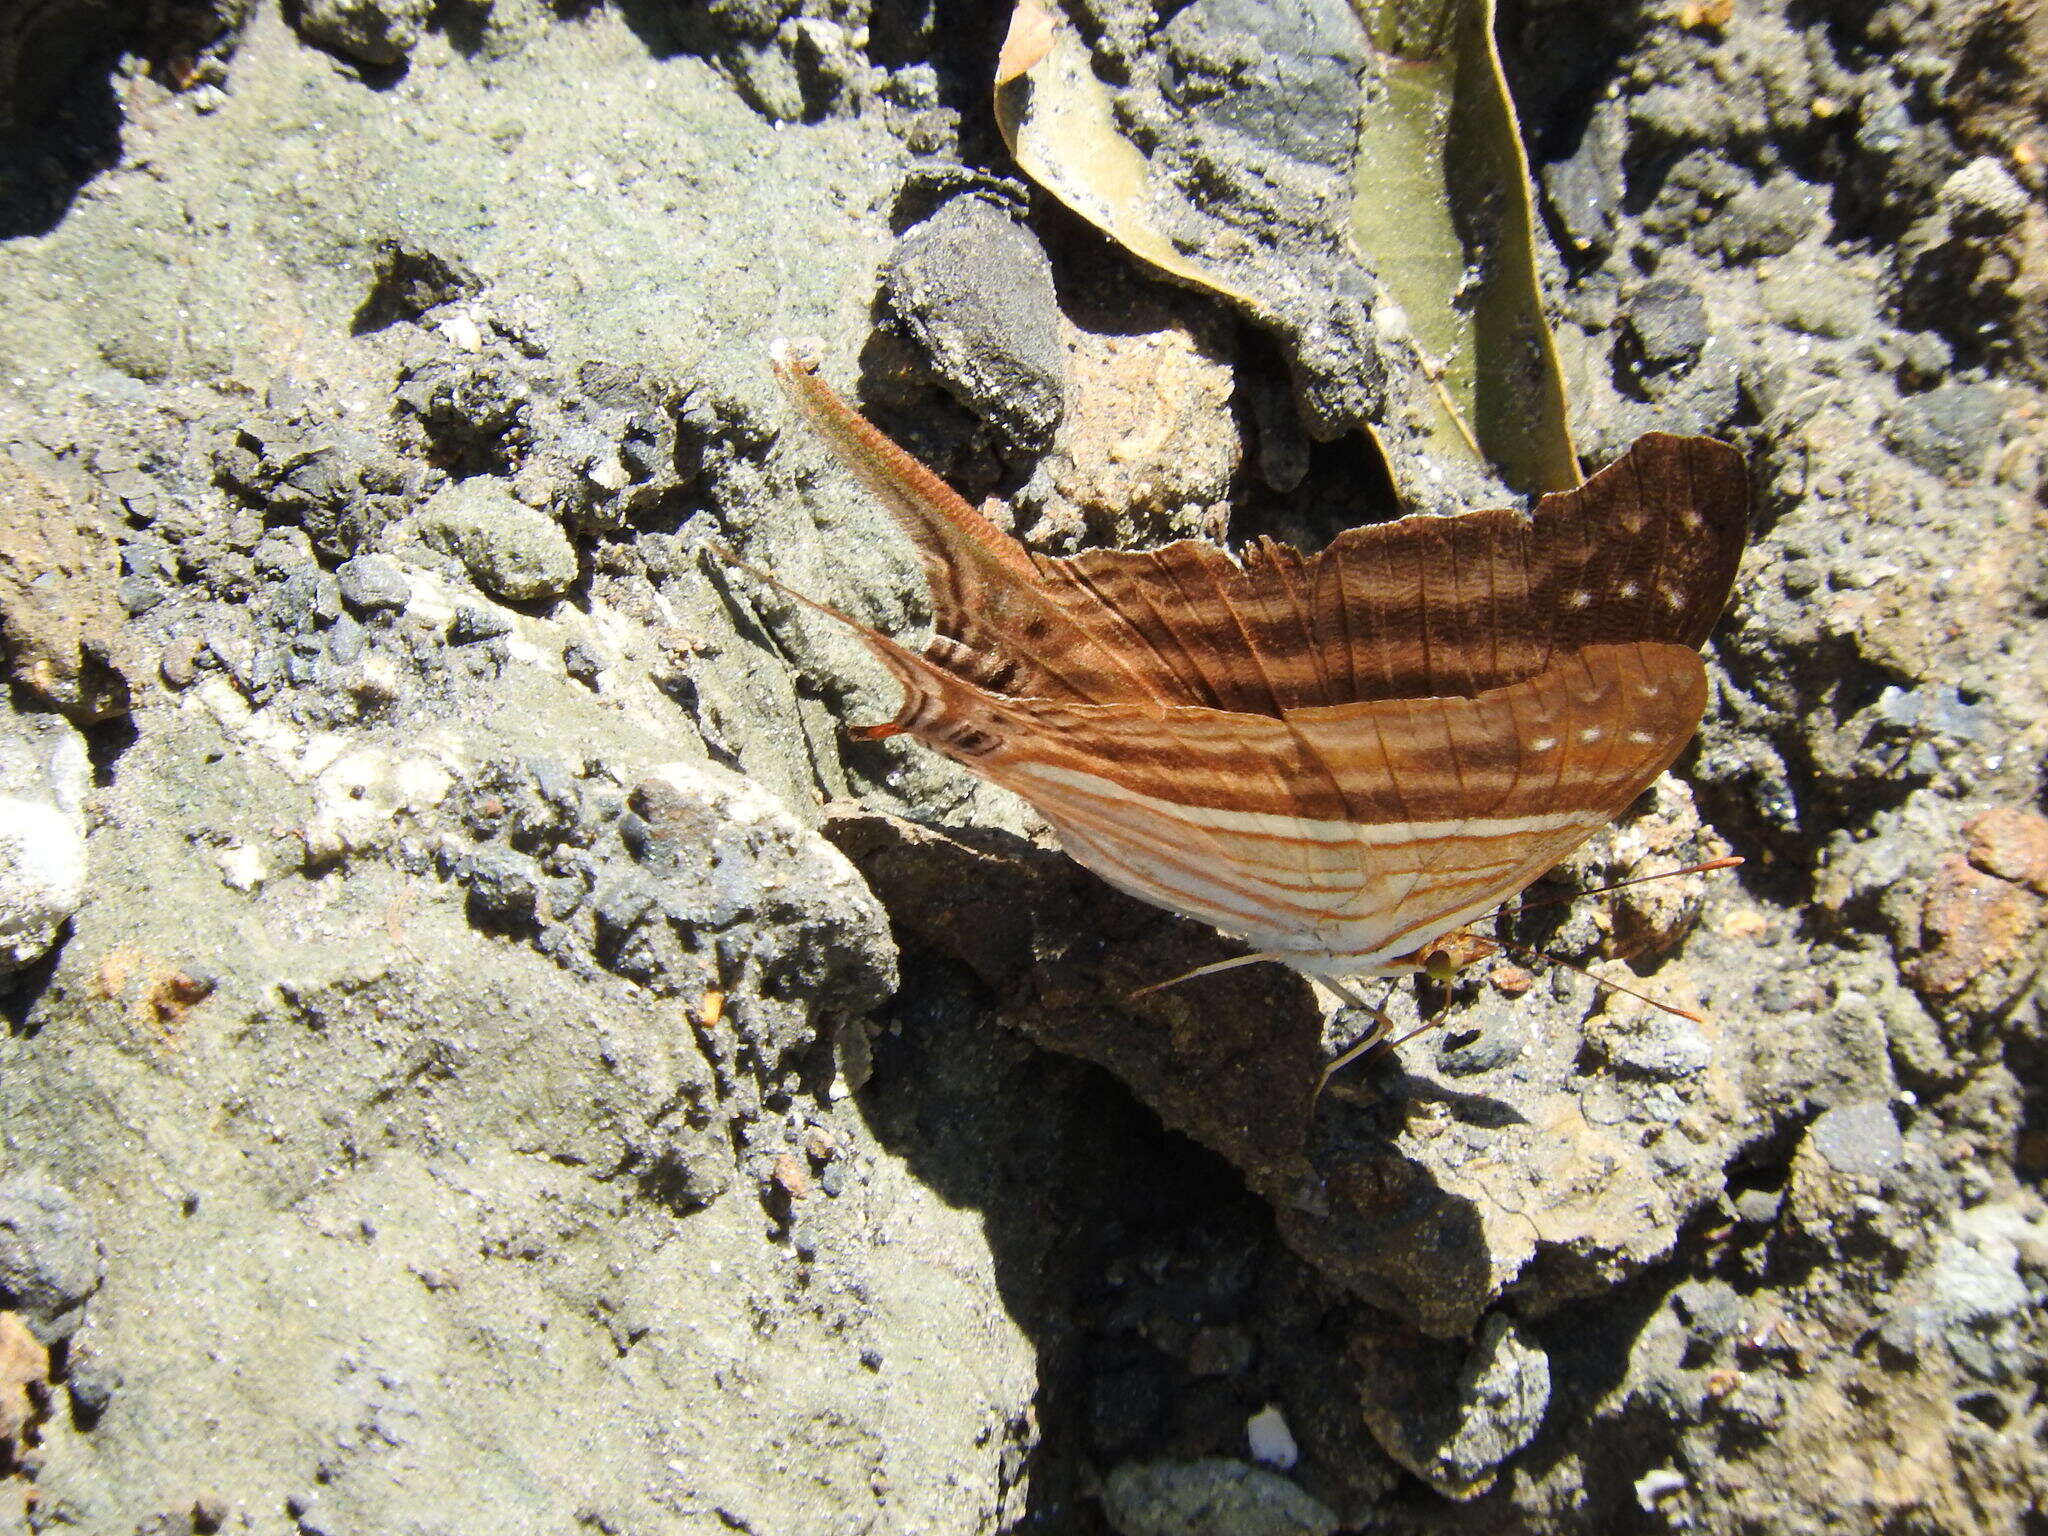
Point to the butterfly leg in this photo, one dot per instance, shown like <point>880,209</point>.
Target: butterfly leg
<point>1372,1043</point>
<point>1369,1044</point>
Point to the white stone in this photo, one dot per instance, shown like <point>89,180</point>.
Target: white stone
<point>1271,1441</point>
<point>242,866</point>
<point>44,774</point>
<point>1657,1485</point>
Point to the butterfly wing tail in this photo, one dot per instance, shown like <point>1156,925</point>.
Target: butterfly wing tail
<point>938,707</point>
<point>958,545</point>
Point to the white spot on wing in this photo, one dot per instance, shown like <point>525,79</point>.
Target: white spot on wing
<point>1641,738</point>
<point>1628,589</point>
<point>1590,734</point>
<point>1580,598</point>
<point>1542,743</point>
<point>1673,598</point>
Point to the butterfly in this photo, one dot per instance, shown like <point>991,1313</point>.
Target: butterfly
<point>1341,758</point>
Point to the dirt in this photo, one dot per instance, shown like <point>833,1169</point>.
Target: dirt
<point>486,1050</point>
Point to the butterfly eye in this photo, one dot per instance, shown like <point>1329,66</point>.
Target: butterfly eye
<point>1441,966</point>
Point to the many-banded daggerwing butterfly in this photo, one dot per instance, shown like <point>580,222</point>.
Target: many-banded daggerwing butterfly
<point>1342,757</point>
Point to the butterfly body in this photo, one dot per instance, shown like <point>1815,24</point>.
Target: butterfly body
<point>1339,758</point>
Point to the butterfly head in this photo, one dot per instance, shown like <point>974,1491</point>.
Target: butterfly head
<point>1444,956</point>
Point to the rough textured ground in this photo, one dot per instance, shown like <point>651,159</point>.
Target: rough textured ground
<point>471,1064</point>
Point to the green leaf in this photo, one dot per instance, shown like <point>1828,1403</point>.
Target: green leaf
<point>1442,217</point>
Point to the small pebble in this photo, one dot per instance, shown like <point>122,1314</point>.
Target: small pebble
<point>180,662</point>
<point>209,1512</point>
<point>1510,980</point>
<point>791,1177</point>
<point>581,664</point>
<point>345,641</point>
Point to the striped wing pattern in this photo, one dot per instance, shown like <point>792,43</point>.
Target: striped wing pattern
<point>1336,757</point>
<point>1378,874</point>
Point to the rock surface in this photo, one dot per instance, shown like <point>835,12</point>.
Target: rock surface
<point>487,1049</point>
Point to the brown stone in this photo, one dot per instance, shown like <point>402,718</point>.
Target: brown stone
<point>1978,936</point>
<point>1510,980</point>
<point>60,613</point>
<point>2011,844</point>
<point>791,1176</point>
<point>23,1363</point>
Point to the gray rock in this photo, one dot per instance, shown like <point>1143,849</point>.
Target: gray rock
<point>1861,1138</point>
<point>1766,220</point>
<point>1451,1422</point>
<point>1667,322</point>
<point>503,886</point>
<point>1652,1043</point>
<point>972,288</point>
<point>339,485</point>
<point>721,852</point>
<point>44,777</point>
<point>1496,1044</point>
<point>509,550</point>
<point>1282,73</point>
<point>1977,1274</point>
<point>1977,1298</point>
<point>1950,429</point>
<point>1759,1207</point>
<point>89,1378</point>
<point>1710,1309</point>
<point>372,583</point>
<point>474,622</point>
<point>1584,190</point>
<point>1212,1497</point>
<point>371,31</point>
<point>1984,190</point>
<point>50,1258</point>
<point>594,451</point>
<point>304,601</point>
<point>345,641</point>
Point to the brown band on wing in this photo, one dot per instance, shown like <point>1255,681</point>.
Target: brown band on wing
<point>1374,763</point>
<point>1646,550</point>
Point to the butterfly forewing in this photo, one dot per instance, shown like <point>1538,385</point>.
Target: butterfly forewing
<point>1416,608</point>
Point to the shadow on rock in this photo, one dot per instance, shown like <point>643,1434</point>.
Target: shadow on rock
<point>1173,1288</point>
<point>1232,1061</point>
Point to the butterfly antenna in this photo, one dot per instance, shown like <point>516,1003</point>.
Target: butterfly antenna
<point>1203,970</point>
<point>1530,952</point>
<point>1729,862</point>
<point>784,587</point>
